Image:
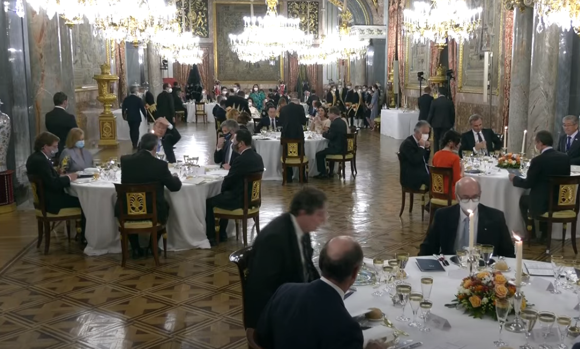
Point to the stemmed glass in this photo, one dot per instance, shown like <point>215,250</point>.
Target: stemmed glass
<point>378,266</point>
<point>486,253</point>
<point>426,306</point>
<point>402,259</point>
<point>547,320</point>
<point>426,286</point>
<point>529,318</point>
<point>563,324</point>
<point>388,272</point>
<point>557,265</point>
<point>463,258</point>
<point>415,300</point>
<point>502,308</point>
<point>403,292</point>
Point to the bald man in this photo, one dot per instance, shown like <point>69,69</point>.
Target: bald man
<point>298,315</point>
<point>449,231</point>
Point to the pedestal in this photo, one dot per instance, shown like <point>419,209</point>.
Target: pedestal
<point>7,203</point>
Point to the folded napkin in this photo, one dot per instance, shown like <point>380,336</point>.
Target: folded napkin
<point>378,333</point>
<point>222,173</point>
<point>195,180</point>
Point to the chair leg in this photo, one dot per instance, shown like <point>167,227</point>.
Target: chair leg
<point>411,197</point>
<point>301,174</point>
<point>549,237</point>
<point>237,229</point>
<point>564,226</point>
<point>402,203</point>
<point>67,225</point>
<point>344,170</point>
<point>422,207</point>
<point>124,248</point>
<point>164,243</point>
<point>47,231</point>
<point>245,231</point>
<point>283,174</point>
<point>217,230</point>
<point>40,233</point>
<point>155,247</point>
<point>574,236</point>
<point>352,169</point>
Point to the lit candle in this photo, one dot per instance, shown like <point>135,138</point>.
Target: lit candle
<point>471,229</point>
<point>524,142</point>
<point>519,255</point>
<point>505,137</point>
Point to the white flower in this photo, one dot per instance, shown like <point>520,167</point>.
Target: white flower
<point>484,300</point>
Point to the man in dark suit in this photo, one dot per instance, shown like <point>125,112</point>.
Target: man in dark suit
<point>165,104</point>
<point>132,109</point>
<point>311,98</point>
<point>144,167</point>
<point>150,105</point>
<point>569,142</point>
<point>331,96</point>
<point>58,121</point>
<point>297,315</point>
<point>238,102</point>
<point>549,163</point>
<point>292,119</point>
<point>219,110</point>
<point>449,231</point>
<point>441,117</point>
<point>414,152</point>
<point>352,102</point>
<point>270,119</point>
<point>168,136</point>
<point>425,103</point>
<point>176,94</point>
<point>282,252</point>
<point>224,154</point>
<point>336,136</point>
<point>479,138</point>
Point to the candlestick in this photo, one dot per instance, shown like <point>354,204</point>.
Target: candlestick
<point>519,256</point>
<point>471,230</point>
<point>524,142</point>
<point>505,137</point>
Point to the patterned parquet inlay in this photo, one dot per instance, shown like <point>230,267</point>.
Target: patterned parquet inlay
<point>69,300</point>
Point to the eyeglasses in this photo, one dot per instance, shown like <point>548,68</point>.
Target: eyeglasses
<point>465,201</point>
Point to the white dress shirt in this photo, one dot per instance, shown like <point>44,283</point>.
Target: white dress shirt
<point>336,288</point>
<point>299,234</point>
<point>230,152</point>
<point>460,228</point>
<point>477,138</point>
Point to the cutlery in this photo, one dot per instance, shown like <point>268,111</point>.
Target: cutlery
<point>439,259</point>
<point>390,325</point>
<point>451,305</point>
<point>444,260</point>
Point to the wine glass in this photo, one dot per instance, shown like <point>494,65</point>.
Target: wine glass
<point>378,266</point>
<point>426,286</point>
<point>395,264</point>
<point>402,258</point>
<point>547,320</point>
<point>486,253</point>
<point>426,307</point>
<point>529,318</point>
<point>502,308</point>
<point>462,257</point>
<point>415,299</point>
<point>557,265</point>
<point>403,292</point>
<point>563,324</point>
<point>388,272</point>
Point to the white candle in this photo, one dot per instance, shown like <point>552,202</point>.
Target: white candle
<point>471,229</point>
<point>524,142</point>
<point>519,255</point>
<point>505,137</point>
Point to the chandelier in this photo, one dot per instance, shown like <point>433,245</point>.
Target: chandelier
<point>564,14</point>
<point>267,38</point>
<point>182,47</point>
<point>441,20</point>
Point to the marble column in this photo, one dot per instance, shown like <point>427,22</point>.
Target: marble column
<point>520,77</point>
<point>565,52</point>
<point>154,71</point>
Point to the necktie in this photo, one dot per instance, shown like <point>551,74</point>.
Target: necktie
<point>479,137</point>
<point>464,241</point>
<point>273,123</point>
<point>309,273</point>
<point>568,143</point>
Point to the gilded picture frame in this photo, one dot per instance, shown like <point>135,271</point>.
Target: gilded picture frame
<point>417,59</point>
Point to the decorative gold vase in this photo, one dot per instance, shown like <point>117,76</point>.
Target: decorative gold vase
<point>107,123</point>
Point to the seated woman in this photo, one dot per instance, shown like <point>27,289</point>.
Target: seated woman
<point>75,157</point>
<point>232,114</point>
<point>448,157</point>
<point>245,121</point>
<point>320,123</point>
<point>253,110</point>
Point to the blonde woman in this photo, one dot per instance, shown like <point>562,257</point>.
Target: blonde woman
<point>75,157</point>
<point>232,114</point>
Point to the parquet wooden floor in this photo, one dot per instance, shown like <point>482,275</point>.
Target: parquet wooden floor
<point>69,300</point>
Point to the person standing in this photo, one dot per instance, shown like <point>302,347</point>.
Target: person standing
<point>425,103</point>
<point>336,136</point>
<point>293,121</point>
<point>133,112</point>
<point>58,121</point>
<point>165,104</point>
<point>374,106</point>
<point>441,116</point>
<point>569,142</point>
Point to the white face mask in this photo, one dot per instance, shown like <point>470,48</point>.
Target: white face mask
<point>255,89</point>
<point>224,92</point>
<point>425,137</point>
<point>468,206</point>
<point>236,89</point>
<point>169,90</point>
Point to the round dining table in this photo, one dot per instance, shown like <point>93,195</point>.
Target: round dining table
<point>465,332</point>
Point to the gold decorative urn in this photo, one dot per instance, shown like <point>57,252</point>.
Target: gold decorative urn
<point>391,91</point>
<point>440,78</point>
<point>107,123</point>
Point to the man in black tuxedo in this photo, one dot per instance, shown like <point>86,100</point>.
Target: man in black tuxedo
<point>331,96</point>
<point>58,121</point>
<point>569,142</point>
<point>270,119</point>
<point>224,153</point>
<point>132,109</point>
<point>449,231</point>
<point>144,167</point>
<point>168,136</point>
<point>282,252</point>
<point>311,98</point>
<point>165,104</point>
<point>150,105</point>
<point>414,152</point>
<point>232,193</point>
<point>479,138</point>
<point>238,102</point>
<point>425,103</point>
<point>298,314</point>
<point>549,163</point>
<point>441,117</point>
<point>219,110</point>
<point>336,136</point>
<point>292,119</point>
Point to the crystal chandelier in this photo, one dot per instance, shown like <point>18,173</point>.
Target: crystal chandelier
<point>268,37</point>
<point>563,13</point>
<point>182,47</point>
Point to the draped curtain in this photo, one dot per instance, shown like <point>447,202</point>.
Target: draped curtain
<point>121,70</point>
<point>312,76</point>
<point>180,73</point>
<point>507,65</point>
<point>293,66</point>
<point>205,71</point>
<point>452,58</point>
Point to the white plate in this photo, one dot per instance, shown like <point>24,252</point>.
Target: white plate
<point>84,180</point>
<point>90,170</point>
<point>212,167</point>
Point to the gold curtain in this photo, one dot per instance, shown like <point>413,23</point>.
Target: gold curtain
<point>181,73</point>
<point>121,70</point>
<point>293,66</point>
<point>205,71</point>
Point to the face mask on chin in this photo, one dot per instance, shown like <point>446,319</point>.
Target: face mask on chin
<point>468,206</point>
<point>425,137</point>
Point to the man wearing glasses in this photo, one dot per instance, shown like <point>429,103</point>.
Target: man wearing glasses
<point>449,231</point>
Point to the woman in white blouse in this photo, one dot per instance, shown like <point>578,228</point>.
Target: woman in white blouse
<point>320,122</point>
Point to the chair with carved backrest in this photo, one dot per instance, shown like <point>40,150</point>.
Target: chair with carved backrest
<point>440,196</point>
<point>241,258</point>
<point>349,155</point>
<point>200,111</point>
<point>136,218</point>
<point>251,208</point>
<point>293,156</point>
<point>47,221</point>
<point>404,190</point>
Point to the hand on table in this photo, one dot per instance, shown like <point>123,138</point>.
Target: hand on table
<point>226,167</point>
<point>72,176</point>
<point>481,145</point>
<point>511,176</point>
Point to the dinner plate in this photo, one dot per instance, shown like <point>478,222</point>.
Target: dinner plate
<point>364,278</point>
<point>83,180</point>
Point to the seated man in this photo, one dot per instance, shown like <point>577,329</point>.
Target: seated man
<point>268,120</point>
<point>479,138</point>
<point>313,315</point>
<point>415,151</point>
<point>232,192</point>
<point>569,142</point>
<point>167,136</point>
<point>224,154</point>
<point>336,136</point>
<point>144,167</point>
<point>282,252</point>
<point>449,231</point>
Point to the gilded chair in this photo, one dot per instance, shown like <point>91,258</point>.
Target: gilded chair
<point>47,221</point>
<point>404,190</point>
<point>180,115</point>
<point>135,217</point>
<point>250,209</point>
<point>200,111</point>
<point>293,156</point>
<point>241,258</point>
<point>348,156</point>
<point>440,196</point>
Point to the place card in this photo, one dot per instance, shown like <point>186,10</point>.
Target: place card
<point>438,322</point>
<point>542,284</point>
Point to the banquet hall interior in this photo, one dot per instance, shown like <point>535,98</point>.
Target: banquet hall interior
<point>508,62</point>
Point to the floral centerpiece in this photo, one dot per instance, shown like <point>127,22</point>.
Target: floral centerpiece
<point>477,294</point>
<point>509,160</point>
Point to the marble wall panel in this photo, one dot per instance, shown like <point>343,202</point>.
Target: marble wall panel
<point>154,70</point>
<point>565,53</point>
<point>86,101</point>
<point>133,66</point>
<point>464,110</point>
<point>88,54</point>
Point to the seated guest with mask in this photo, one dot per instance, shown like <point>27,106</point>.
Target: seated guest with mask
<point>336,136</point>
<point>569,142</point>
<point>479,138</point>
<point>143,167</point>
<point>298,314</point>
<point>168,136</point>
<point>224,154</point>
<point>232,192</point>
<point>449,231</point>
<point>75,157</point>
<point>415,151</point>
<point>270,120</point>
<point>282,252</point>
<point>448,157</point>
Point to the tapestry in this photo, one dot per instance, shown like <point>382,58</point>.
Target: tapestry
<point>194,16</point>
<point>307,11</point>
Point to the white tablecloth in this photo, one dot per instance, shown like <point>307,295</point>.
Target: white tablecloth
<point>466,332</point>
<point>123,126</point>
<point>271,152</point>
<point>191,112</point>
<point>397,123</point>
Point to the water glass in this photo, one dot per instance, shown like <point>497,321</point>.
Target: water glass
<point>486,254</point>
<point>502,309</point>
<point>426,311</point>
<point>388,272</point>
<point>563,325</point>
<point>462,257</point>
<point>547,320</point>
<point>557,266</point>
<point>529,318</point>
<point>403,292</point>
<point>415,299</point>
<point>426,286</point>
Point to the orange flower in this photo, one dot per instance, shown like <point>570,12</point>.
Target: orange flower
<point>479,288</point>
<point>467,283</point>
<point>475,301</point>
<point>461,297</point>
<point>512,289</point>
<point>482,274</point>
<point>501,291</point>
<point>500,279</point>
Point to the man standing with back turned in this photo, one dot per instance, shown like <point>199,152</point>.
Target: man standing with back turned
<point>441,117</point>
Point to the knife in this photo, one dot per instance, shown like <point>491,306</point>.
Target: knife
<point>412,346</point>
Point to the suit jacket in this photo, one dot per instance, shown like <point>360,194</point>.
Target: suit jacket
<point>574,151</point>
<point>413,163</point>
<point>219,113</point>
<point>54,184</point>
<point>311,99</point>
<point>220,156</point>
<point>59,122</point>
<point>177,102</point>
<point>492,141</point>
<point>76,162</point>
<point>441,113</point>
<point>238,103</point>
<point>298,317</point>
<point>170,138</point>
<point>275,260</point>
<point>165,106</point>
<point>133,107</point>
<point>233,185</point>
<point>491,229</point>
<point>336,136</point>
<point>292,120</point>
<point>141,168</point>
<point>424,106</point>
<point>332,98</point>
<point>265,122</point>
<point>549,163</point>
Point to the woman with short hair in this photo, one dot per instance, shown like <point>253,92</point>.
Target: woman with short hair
<point>75,157</point>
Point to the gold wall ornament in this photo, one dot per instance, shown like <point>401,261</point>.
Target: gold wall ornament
<point>292,149</point>
<point>567,195</point>
<point>509,5</point>
<point>107,124</point>
<point>308,12</point>
<point>195,15</point>
<point>136,204</point>
<point>391,90</point>
<point>440,77</point>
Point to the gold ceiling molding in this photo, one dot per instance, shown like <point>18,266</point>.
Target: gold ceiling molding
<point>308,12</point>
<point>193,16</point>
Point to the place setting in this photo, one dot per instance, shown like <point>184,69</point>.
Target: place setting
<point>190,172</point>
